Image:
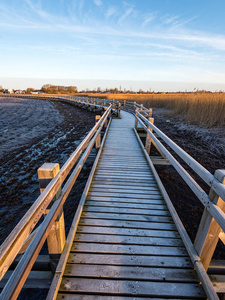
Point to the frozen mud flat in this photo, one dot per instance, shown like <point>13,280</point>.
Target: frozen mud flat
<point>35,131</point>
<point>23,120</point>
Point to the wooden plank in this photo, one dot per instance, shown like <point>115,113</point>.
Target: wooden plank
<point>155,195</point>
<point>121,185</point>
<point>131,260</point>
<point>126,210</point>
<point>121,181</point>
<point>108,172</point>
<point>125,239</point>
<point>128,217</point>
<point>125,287</point>
<point>62,296</point>
<point>127,224</point>
<point>124,166</point>
<point>128,272</point>
<point>127,249</point>
<point>126,205</point>
<point>127,200</point>
<point>148,191</point>
<point>127,231</point>
<point>127,177</point>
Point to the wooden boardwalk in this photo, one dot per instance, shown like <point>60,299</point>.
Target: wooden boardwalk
<point>126,245</point>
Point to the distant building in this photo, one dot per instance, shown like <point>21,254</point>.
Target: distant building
<point>8,91</point>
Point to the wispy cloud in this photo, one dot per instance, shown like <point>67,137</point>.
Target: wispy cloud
<point>147,18</point>
<point>127,12</point>
<point>111,11</point>
<point>98,2</point>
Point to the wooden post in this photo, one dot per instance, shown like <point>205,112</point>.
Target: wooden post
<point>208,232</point>
<point>119,110</point>
<point>124,104</point>
<point>98,140</point>
<point>150,112</point>
<point>136,121</point>
<point>56,238</point>
<point>148,138</point>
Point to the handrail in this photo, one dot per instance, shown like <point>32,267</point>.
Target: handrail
<point>192,163</point>
<point>215,211</point>
<point>11,247</point>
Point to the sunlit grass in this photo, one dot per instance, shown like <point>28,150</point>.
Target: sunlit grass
<point>204,109</point>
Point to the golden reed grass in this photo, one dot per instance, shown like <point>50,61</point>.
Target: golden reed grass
<point>203,109</point>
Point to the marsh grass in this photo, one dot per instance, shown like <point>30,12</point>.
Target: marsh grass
<point>203,109</point>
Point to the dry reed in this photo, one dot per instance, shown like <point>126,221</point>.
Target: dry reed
<point>203,109</point>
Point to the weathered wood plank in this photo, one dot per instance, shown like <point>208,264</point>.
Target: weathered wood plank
<point>150,191</point>
<point>149,187</point>
<point>121,210</point>
<point>127,217</point>
<point>128,272</point>
<point>107,173</point>
<point>125,287</point>
<point>126,205</point>
<point>127,231</point>
<point>125,239</point>
<point>126,195</point>
<point>130,260</point>
<point>127,200</point>
<point>127,249</point>
<point>126,182</point>
<point>127,224</point>
<point>124,167</point>
<point>62,296</point>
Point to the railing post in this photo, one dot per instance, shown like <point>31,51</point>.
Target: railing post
<point>148,138</point>
<point>56,238</point>
<point>208,232</point>
<point>119,110</point>
<point>98,140</point>
<point>136,121</point>
<point>118,107</point>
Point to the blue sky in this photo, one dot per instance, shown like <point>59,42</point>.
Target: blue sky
<point>92,41</point>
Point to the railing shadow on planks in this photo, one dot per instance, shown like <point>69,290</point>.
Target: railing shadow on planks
<point>27,241</point>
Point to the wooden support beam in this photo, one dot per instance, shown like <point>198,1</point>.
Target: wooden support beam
<point>209,231</point>
<point>159,160</point>
<point>35,280</point>
<point>56,238</point>
<point>98,140</point>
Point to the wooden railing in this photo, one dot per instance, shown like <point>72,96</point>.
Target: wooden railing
<point>212,225</point>
<point>24,235</point>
